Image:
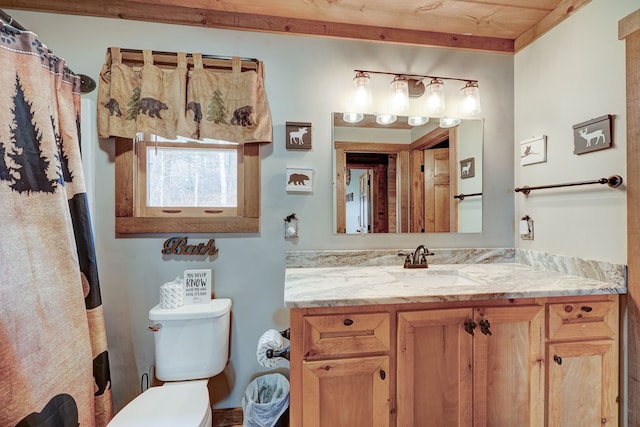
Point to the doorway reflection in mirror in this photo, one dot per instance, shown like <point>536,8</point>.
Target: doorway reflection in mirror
<point>403,179</point>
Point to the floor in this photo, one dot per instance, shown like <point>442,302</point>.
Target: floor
<point>227,417</point>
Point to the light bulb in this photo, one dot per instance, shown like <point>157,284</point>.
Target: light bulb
<point>386,119</point>
<point>399,95</point>
<point>435,103</point>
<point>417,120</point>
<point>352,117</point>
<point>470,103</point>
<point>449,122</point>
<point>361,98</point>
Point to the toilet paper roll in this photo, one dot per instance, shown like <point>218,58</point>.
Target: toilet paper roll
<point>524,226</point>
<point>270,340</point>
<point>172,294</point>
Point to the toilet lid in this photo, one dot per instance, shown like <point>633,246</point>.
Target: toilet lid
<point>172,405</point>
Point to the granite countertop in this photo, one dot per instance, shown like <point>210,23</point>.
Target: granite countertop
<point>350,285</point>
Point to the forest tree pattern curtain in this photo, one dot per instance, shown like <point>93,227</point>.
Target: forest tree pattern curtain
<point>193,102</point>
<point>54,368</point>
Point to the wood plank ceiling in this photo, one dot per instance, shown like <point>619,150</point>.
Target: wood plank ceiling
<point>488,25</point>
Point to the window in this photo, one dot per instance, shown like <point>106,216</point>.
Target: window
<point>186,186</point>
<point>182,178</point>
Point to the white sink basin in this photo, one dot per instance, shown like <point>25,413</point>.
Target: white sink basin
<point>427,277</point>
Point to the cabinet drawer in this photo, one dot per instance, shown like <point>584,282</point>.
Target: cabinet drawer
<point>568,321</point>
<point>345,334</point>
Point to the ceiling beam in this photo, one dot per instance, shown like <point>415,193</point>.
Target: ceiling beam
<point>629,25</point>
<point>556,16</point>
<point>160,13</point>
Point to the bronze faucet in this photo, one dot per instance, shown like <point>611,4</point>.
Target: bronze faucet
<point>418,259</point>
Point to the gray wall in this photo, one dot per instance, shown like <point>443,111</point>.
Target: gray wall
<point>572,74</point>
<point>306,79</point>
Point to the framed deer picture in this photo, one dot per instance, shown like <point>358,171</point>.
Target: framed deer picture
<point>595,134</point>
<point>298,136</point>
<point>468,168</point>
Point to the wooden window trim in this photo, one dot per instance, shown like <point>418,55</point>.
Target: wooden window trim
<point>125,187</point>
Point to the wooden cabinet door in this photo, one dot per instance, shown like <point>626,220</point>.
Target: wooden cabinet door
<point>346,392</point>
<point>583,378</point>
<point>447,377</point>
<point>434,378</point>
<point>508,367</point>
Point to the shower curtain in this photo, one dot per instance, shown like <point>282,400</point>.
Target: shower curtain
<point>54,368</point>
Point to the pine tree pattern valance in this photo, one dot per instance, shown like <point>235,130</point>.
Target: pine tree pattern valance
<point>193,102</point>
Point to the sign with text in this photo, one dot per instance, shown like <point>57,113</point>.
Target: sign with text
<point>179,246</point>
<point>197,286</point>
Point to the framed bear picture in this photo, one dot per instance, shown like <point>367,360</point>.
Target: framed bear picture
<point>299,180</point>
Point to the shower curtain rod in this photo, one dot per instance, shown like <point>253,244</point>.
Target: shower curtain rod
<point>8,19</point>
<point>87,84</point>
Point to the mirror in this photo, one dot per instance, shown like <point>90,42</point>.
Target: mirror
<point>402,179</point>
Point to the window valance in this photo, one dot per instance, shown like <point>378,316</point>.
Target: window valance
<point>181,94</point>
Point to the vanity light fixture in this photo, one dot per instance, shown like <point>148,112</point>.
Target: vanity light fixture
<point>385,118</point>
<point>407,92</point>
<point>435,101</point>
<point>361,98</point>
<point>449,122</point>
<point>470,104</point>
<point>399,94</point>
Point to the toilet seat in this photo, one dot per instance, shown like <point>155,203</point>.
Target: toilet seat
<point>179,404</point>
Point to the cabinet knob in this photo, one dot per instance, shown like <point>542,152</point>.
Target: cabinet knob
<point>348,322</point>
<point>586,308</point>
<point>484,327</point>
<point>383,374</point>
<point>469,326</point>
<point>557,359</point>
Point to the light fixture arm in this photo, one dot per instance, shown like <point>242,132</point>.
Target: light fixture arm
<point>417,76</point>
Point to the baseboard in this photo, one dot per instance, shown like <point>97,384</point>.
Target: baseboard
<point>227,417</point>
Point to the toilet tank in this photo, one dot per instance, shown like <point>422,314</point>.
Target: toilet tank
<point>192,341</point>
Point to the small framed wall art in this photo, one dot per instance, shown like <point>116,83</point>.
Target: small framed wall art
<point>299,180</point>
<point>533,150</point>
<point>468,168</point>
<point>592,135</point>
<point>298,135</point>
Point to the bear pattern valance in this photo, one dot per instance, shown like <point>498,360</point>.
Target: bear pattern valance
<point>186,100</point>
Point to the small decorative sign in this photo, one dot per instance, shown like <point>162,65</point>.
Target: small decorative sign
<point>468,168</point>
<point>593,135</point>
<point>197,286</point>
<point>179,246</point>
<point>533,150</point>
<point>299,179</point>
<point>298,136</point>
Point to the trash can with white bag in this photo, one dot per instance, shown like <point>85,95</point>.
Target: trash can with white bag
<point>266,401</point>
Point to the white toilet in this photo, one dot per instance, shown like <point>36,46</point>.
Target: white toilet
<point>191,345</point>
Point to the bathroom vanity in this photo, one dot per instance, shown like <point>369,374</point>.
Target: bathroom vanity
<point>501,344</point>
